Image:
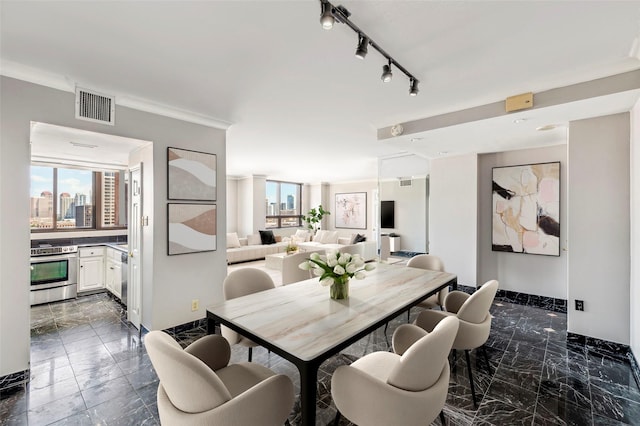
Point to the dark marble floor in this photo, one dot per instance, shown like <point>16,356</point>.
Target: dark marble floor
<point>90,367</point>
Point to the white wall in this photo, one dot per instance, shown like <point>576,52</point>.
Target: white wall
<point>635,233</point>
<point>540,275</point>
<point>314,195</point>
<point>177,279</point>
<point>365,186</point>
<point>259,203</point>
<point>232,204</point>
<point>410,212</point>
<point>245,206</point>
<point>599,227</point>
<point>453,217</point>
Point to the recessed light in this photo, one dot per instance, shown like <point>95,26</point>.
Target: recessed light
<point>416,139</point>
<point>546,127</point>
<point>443,152</point>
<point>519,120</point>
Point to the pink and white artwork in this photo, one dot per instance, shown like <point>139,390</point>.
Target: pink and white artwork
<point>526,209</point>
<point>351,210</point>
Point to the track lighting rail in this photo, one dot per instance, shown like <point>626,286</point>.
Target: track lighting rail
<point>331,13</point>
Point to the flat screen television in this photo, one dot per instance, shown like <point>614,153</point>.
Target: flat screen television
<point>387,214</point>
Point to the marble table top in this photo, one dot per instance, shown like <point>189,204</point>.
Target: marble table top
<point>302,319</point>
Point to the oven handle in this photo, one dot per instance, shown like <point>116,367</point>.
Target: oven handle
<point>41,259</point>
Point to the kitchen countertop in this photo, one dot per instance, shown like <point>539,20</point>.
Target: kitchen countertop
<point>117,246</point>
<point>120,247</point>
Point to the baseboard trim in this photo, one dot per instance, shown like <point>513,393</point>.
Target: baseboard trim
<point>181,328</point>
<point>543,302</point>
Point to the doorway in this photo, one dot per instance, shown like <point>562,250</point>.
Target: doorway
<point>98,209</point>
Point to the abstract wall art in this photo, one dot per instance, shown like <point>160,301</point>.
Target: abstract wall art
<point>351,210</point>
<point>526,209</point>
<point>191,175</point>
<point>192,228</point>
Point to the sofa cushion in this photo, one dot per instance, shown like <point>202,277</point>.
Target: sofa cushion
<point>302,235</point>
<point>330,237</point>
<point>254,240</point>
<point>319,235</point>
<point>232,240</point>
<point>267,237</point>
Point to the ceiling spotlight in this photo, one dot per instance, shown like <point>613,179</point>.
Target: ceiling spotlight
<point>326,18</point>
<point>413,89</point>
<point>361,51</point>
<point>386,73</point>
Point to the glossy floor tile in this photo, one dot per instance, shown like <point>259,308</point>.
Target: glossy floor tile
<point>89,367</point>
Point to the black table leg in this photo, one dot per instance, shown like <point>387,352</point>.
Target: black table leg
<point>308,392</point>
<point>211,325</point>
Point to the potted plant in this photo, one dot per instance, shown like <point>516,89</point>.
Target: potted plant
<point>313,218</point>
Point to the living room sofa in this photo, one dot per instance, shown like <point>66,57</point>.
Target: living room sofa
<point>250,248</point>
<point>329,240</point>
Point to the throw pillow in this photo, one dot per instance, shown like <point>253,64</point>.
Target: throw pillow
<point>302,235</point>
<point>353,238</point>
<point>254,240</point>
<point>232,240</point>
<point>267,237</point>
<point>359,238</point>
<point>278,238</point>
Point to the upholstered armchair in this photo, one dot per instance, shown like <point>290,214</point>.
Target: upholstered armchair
<point>433,263</point>
<point>475,320</point>
<point>198,387</point>
<point>291,273</point>
<point>240,283</point>
<point>405,388</point>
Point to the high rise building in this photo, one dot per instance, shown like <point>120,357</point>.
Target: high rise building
<point>109,198</point>
<point>42,210</point>
<point>290,202</point>
<point>66,206</point>
<point>84,216</point>
<point>80,199</point>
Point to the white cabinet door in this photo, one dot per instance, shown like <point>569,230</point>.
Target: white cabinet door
<point>113,277</point>
<point>91,273</point>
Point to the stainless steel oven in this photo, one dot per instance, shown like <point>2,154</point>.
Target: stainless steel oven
<point>54,274</point>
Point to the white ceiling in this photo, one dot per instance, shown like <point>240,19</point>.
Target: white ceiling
<point>302,107</point>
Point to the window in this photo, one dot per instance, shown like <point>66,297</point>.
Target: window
<point>283,204</point>
<point>64,198</point>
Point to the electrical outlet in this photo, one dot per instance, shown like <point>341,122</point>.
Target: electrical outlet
<point>579,305</point>
<point>195,305</point>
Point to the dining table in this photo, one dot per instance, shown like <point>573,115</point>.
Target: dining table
<point>303,325</point>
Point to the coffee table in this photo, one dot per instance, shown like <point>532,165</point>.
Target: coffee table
<point>303,325</point>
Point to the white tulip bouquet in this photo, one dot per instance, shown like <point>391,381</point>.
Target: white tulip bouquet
<point>335,269</point>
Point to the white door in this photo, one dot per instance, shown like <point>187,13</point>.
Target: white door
<point>134,289</point>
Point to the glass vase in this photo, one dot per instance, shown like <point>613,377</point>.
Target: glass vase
<point>340,288</point>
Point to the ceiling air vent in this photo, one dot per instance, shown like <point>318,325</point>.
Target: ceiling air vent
<point>96,107</point>
<point>405,182</point>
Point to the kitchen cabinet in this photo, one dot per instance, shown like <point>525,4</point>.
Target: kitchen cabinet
<point>91,268</point>
<point>113,272</point>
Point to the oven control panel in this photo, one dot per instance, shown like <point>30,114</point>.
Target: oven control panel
<point>48,251</point>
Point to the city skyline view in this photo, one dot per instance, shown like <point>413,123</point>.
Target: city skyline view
<point>71,181</point>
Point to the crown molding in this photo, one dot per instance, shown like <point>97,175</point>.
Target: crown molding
<point>55,81</point>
